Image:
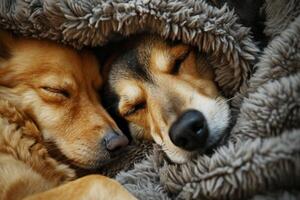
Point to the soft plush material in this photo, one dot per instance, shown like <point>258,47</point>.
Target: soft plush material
<point>261,158</point>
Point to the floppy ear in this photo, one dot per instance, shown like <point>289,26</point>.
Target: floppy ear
<point>5,45</point>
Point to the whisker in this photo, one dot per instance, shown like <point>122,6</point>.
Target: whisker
<point>219,98</point>
<point>192,97</point>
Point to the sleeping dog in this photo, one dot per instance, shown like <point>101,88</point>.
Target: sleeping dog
<point>55,87</point>
<point>166,92</point>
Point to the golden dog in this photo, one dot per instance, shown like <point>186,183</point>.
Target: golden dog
<point>56,87</point>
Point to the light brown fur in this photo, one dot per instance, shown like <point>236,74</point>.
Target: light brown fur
<point>48,94</point>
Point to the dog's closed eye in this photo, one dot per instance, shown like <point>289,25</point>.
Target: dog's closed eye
<point>135,108</point>
<point>176,66</point>
<point>178,61</point>
<point>56,91</point>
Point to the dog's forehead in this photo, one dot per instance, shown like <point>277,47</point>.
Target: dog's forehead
<point>132,65</point>
<point>135,62</point>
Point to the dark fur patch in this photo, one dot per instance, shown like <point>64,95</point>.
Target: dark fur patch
<point>111,99</point>
<point>4,51</point>
<point>110,102</point>
<point>134,67</point>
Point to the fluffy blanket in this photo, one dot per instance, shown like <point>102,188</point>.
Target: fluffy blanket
<point>261,158</point>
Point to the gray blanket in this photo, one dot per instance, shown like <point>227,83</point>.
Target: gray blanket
<point>262,156</point>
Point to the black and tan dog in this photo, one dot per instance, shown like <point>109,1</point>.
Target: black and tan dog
<point>166,91</point>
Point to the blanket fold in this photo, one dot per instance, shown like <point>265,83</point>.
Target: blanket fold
<point>261,159</point>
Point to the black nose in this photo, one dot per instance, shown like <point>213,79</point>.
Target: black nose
<point>114,141</point>
<point>189,131</point>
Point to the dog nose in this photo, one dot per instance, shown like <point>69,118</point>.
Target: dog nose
<point>114,141</point>
<point>189,131</point>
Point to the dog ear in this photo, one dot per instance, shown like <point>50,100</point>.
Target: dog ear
<point>5,45</point>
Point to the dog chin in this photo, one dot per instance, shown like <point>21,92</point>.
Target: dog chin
<point>176,154</point>
<point>179,157</point>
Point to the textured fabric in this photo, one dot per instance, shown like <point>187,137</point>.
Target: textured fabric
<point>262,154</point>
<point>95,22</point>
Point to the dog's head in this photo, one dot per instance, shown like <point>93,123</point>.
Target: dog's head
<point>166,91</point>
<point>57,87</point>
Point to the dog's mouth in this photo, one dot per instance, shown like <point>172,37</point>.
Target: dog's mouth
<point>177,155</point>
<point>114,156</point>
<point>56,153</point>
<point>194,133</point>
<point>109,167</point>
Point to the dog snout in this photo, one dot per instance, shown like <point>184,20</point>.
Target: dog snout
<point>189,131</point>
<point>114,141</point>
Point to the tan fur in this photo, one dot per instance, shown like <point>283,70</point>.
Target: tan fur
<point>170,94</point>
<point>32,78</point>
<point>26,166</point>
<point>161,63</point>
<point>78,122</point>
